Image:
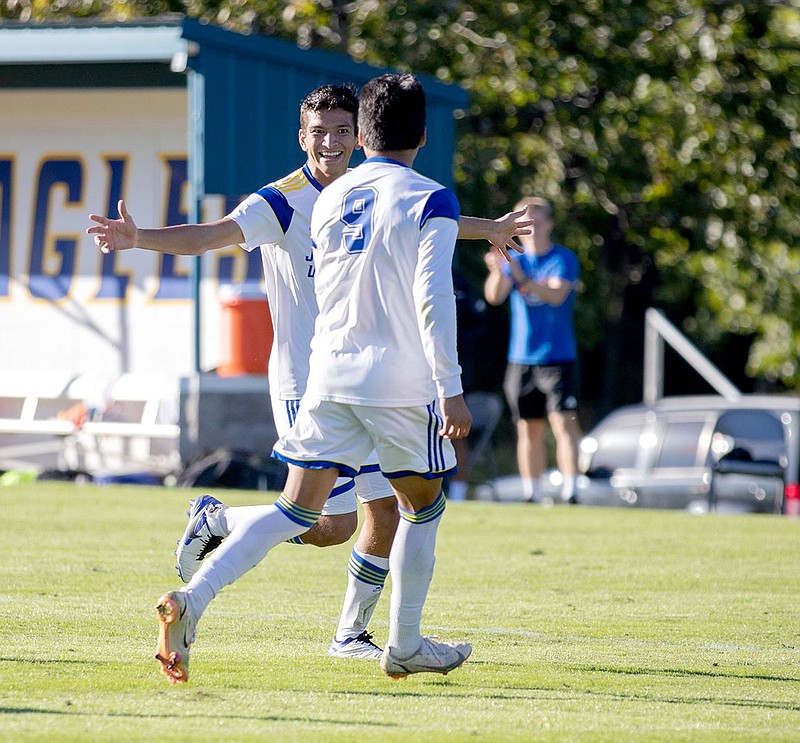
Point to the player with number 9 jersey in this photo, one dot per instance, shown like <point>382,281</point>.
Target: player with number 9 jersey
<point>380,272</point>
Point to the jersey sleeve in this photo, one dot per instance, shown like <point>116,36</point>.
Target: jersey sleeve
<point>441,203</point>
<point>434,297</point>
<point>263,217</point>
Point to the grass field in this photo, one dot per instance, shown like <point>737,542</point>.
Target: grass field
<point>587,624</point>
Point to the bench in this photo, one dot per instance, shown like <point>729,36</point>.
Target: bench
<point>89,422</point>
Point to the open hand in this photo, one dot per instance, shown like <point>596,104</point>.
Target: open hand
<point>114,234</point>
<point>508,227</point>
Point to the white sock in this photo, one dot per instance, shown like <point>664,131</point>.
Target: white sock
<point>568,487</point>
<point>245,547</point>
<point>411,565</point>
<point>223,521</point>
<point>366,575</point>
<point>530,488</point>
<point>457,490</point>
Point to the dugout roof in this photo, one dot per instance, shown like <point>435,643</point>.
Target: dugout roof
<point>244,90</point>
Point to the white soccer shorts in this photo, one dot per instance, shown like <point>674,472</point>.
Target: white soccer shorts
<point>369,484</point>
<point>406,440</point>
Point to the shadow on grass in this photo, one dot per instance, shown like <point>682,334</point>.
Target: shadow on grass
<point>576,694</point>
<point>171,716</point>
<point>50,661</point>
<point>683,672</point>
<point>753,703</point>
<point>459,692</point>
<point>31,711</point>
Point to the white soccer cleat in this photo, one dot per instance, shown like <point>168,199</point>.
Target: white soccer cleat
<point>432,657</point>
<point>176,633</point>
<point>197,540</point>
<point>360,647</point>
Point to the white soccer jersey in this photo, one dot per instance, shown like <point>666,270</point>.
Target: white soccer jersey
<point>276,219</point>
<point>386,332</point>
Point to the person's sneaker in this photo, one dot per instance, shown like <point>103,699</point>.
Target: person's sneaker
<point>176,633</point>
<point>197,540</point>
<point>432,657</point>
<point>355,647</point>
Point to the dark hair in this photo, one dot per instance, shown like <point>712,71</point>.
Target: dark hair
<point>391,113</point>
<point>327,98</point>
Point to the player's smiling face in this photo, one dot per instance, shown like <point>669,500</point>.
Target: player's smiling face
<point>328,138</point>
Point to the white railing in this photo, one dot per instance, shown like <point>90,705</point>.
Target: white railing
<point>657,331</point>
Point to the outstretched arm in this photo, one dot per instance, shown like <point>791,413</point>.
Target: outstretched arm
<point>184,239</point>
<point>499,232</point>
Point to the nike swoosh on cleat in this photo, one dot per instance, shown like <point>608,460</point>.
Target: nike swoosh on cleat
<point>210,546</point>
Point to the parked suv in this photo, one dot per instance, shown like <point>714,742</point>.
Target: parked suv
<point>700,452</point>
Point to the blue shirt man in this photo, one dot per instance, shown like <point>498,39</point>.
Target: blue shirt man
<point>541,378</point>
<point>542,333</point>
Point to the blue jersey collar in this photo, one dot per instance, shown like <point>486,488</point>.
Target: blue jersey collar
<point>385,160</point>
<point>313,181</point>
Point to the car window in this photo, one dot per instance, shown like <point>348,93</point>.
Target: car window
<point>679,446</point>
<point>755,432</point>
<point>617,446</point>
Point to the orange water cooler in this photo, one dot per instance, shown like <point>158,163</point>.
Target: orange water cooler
<point>246,330</point>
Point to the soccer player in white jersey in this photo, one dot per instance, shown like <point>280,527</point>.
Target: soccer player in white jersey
<point>276,219</point>
<point>384,351</point>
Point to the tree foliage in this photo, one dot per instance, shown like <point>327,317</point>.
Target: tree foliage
<point>665,132</point>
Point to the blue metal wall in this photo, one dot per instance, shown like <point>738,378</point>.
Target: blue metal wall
<point>253,86</point>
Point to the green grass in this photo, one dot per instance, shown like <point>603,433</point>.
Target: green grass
<point>587,624</point>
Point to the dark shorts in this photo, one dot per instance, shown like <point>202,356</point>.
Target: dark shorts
<point>536,391</point>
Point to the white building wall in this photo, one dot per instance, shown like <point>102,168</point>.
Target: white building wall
<point>63,155</point>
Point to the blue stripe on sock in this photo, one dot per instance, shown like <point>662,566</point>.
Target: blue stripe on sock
<point>303,516</point>
<point>366,571</point>
<point>427,514</point>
